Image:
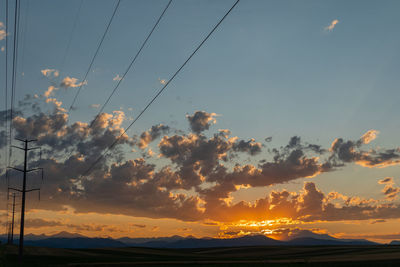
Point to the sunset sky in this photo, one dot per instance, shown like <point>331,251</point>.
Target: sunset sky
<point>285,120</point>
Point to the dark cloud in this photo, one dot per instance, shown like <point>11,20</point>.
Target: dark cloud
<point>311,201</point>
<point>139,225</point>
<point>250,147</point>
<point>308,206</point>
<point>5,116</point>
<point>378,221</point>
<point>268,139</point>
<point>351,151</point>
<point>387,180</point>
<point>390,191</point>
<point>38,223</point>
<point>199,175</point>
<point>290,163</point>
<point>153,133</point>
<point>196,156</point>
<point>201,121</point>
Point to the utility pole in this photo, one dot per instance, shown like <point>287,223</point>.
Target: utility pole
<point>11,231</point>
<point>12,220</point>
<point>24,190</point>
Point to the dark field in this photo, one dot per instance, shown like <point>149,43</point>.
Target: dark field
<point>238,256</point>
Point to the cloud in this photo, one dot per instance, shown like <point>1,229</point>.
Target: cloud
<point>153,133</point>
<point>310,205</point>
<point>39,223</point>
<point>378,221</point>
<point>369,136</point>
<point>68,82</point>
<point>390,191</point>
<point>185,229</point>
<point>57,104</point>
<point>139,225</point>
<point>197,174</point>
<point>276,232</point>
<point>350,151</point>
<point>52,130</point>
<point>50,72</point>
<point>387,180</point>
<point>117,78</point>
<point>200,159</point>
<point>5,115</point>
<point>250,146</point>
<point>50,91</point>
<point>35,223</point>
<point>201,121</point>
<point>331,26</point>
<point>3,33</point>
<point>94,106</point>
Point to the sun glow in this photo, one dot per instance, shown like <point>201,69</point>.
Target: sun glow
<point>266,223</point>
<point>267,228</point>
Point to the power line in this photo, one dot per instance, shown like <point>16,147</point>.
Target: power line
<point>94,57</point>
<point>14,69</point>
<point>131,64</point>
<point>6,80</point>
<point>6,103</point>
<point>23,40</point>
<point>13,77</point>
<point>70,38</point>
<point>162,89</point>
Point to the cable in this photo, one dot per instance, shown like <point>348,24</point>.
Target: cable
<point>70,38</point>
<point>6,110</point>
<point>6,85</point>
<point>94,57</point>
<point>23,40</point>
<point>130,65</point>
<point>14,72</point>
<point>162,89</point>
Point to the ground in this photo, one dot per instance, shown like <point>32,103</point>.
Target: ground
<point>238,256</point>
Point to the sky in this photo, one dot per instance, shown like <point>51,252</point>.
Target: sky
<point>285,120</point>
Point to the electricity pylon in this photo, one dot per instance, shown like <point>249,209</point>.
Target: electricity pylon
<point>24,190</point>
<point>11,230</point>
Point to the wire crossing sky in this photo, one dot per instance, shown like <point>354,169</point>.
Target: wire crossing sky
<point>120,79</point>
<point>95,55</point>
<point>163,88</point>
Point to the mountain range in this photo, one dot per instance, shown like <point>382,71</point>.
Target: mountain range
<point>74,240</point>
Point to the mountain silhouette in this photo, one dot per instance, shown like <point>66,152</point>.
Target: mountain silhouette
<point>73,240</point>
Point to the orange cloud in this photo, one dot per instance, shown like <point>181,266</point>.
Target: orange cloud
<point>68,82</point>
<point>369,136</point>
<point>331,26</point>
<point>50,72</point>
